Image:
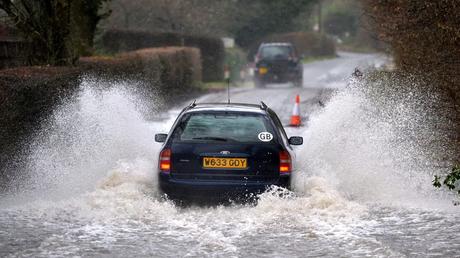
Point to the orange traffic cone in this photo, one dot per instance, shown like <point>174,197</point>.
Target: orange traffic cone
<point>295,118</point>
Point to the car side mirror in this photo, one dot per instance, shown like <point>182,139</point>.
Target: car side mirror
<point>296,140</point>
<point>160,137</point>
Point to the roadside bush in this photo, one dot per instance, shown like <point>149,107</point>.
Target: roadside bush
<point>28,92</point>
<point>171,71</point>
<point>308,44</point>
<point>449,181</point>
<point>212,49</point>
<point>341,23</point>
<point>323,46</point>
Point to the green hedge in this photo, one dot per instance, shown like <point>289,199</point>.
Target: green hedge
<point>26,93</point>
<point>212,49</point>
<point>172,71</point>
<point>309,44</point>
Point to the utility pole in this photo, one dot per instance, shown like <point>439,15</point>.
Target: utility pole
<point>320,17</point>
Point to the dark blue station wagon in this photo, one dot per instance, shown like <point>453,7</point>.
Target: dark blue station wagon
<point>225,151</point>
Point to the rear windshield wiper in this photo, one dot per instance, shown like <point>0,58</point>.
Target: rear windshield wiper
<point>211,138</point>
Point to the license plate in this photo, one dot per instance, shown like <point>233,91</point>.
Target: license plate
<point>240,163</point>
<point>263,70</point>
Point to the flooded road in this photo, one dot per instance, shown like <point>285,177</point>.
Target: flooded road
<point>89,186</point>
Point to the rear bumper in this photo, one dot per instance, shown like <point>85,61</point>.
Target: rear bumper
<point>216,190</point>
<point>281,77</point>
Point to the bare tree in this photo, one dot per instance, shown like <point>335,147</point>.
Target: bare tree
<point>57,31</point>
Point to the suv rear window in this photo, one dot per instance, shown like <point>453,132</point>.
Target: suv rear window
<point>273,52</point>
<point>222,127</point>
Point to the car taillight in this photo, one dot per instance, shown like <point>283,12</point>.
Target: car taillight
<point>165,160</point>
<point>285,162</point>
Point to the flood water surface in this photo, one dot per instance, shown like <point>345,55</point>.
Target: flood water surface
<point>89,190</point>
<point>121,219</point>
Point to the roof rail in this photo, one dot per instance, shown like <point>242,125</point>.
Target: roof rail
<point>191,105</point>
<point>263,106</point>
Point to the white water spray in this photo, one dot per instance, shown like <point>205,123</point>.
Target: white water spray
<point>374,149</point>
<point>101,131</point>
<point>93,165</point>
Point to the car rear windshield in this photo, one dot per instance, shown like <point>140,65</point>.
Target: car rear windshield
<point>275,52</point>
<point>223,127</point>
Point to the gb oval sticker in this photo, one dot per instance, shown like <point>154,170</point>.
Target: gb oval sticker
<point>265,136</point>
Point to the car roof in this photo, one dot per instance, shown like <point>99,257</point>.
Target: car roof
<point>235,107</point>
<point>276,44</point>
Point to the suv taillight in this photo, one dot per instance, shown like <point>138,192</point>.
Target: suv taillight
<point>285,162</point>
<point>165,160</point>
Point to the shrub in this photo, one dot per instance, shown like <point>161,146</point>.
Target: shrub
<point>212,49</point>
<point>341,22</point>
<point>28,92</point>
<point>450,180</point>
<point>171,71</point>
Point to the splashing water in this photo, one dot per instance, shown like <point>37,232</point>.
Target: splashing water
<point>360,146</point>
<point>91,190</point>
<point>371,145</point>
<point>103,127</point>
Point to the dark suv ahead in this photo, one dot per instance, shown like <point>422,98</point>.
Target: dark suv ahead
<point>277,63</point>
<point>224,151</point>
